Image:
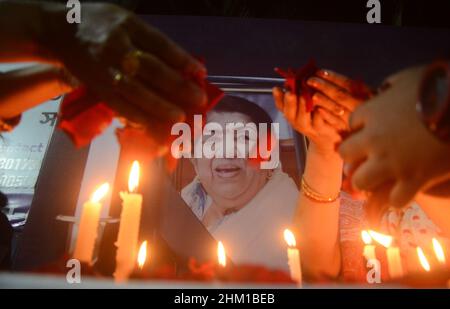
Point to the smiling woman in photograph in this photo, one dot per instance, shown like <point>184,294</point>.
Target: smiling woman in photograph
<point>244,206</point>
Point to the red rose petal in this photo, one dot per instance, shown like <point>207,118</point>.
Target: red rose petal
<point>83,117</point>
<point>295,81</point>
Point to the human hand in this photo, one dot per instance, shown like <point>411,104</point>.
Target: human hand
<point>333,103</point>
<point>392,154</point>
<point>129,65</point>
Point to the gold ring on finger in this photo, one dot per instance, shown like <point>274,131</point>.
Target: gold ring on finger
<point>131,62</point>
<point>117,77</point>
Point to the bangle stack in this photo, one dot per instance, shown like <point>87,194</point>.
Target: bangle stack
<point>316,197</point>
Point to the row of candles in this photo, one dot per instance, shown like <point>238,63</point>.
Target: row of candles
<point>394,261</point>
<point>128,236</point>
<point>127,240</point>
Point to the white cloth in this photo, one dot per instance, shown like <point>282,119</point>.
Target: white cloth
<point>254,234</point>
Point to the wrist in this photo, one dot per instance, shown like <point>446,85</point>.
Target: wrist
<point>328,154</point>
<point>323,171</point>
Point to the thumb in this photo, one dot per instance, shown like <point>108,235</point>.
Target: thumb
<point>403,192</point>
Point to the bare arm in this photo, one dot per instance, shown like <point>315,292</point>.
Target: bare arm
<point>318,223</point>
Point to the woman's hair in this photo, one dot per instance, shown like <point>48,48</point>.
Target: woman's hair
<point>234,104</point>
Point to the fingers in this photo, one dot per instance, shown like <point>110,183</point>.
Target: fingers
<point>333,120</point>
<point>125,109</point>
<point>334,92</point>
<point>319,124</point>
<point>336,78</point>
<point>303,121</point>
<point>357,119</point>
<point>154,42</point>
<point>172,85</point>
<point>290,107</point>
<point>321,100</point>
<point>378,203</point>
<point>353,149</point>
<point>278,96</point>
<point>148,103</point>
<point>403,192</point>
<point>369,175</point>
<point>293,109</point>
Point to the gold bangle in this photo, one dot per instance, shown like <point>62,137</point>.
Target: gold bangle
<point>314,196</point>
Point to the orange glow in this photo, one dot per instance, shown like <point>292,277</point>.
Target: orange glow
<point>221,255</point>
<point>366,237</point>
<point>142,255</point>
<point>438,251</point>
<point>423,260</point>
<point>133,179</point>
<point>289,238</point>
<point>100,193</point>
<point>384,240</point>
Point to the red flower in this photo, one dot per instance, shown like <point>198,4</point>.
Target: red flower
<point>83,117</point>
<point>295,81</point>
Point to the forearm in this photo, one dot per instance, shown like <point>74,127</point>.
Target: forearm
<point>23,25</point>
<point>25,88</point>
<point>318,223</point>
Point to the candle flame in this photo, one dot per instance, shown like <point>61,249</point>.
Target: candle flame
<point>384,240</point>
<point>366,237</point>
<point>100,193</point>
<point>438,251</point>
<point>423,260</point>
<point>289,238</point>
<point>142,255</point>
<point>221,255</point>
<point>133,179</point>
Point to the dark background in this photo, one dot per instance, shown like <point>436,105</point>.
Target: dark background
<point>422,13</point>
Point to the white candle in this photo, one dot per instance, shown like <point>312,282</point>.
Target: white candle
<point>128,236</point>
<point>88,227</point>
<point>395,266</point>
<point>293,257</point>
<point>369,249</point>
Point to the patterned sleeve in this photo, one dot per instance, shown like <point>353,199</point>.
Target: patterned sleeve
<point>351,222</point>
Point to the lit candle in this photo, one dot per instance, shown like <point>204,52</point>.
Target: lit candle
<point>142,255</point>
<point>293,257</point>
<point>369,249</point>
<point>384,240</point>
<point>438,251</point>
<point>130,218</point>
<point>422,259</point>
<point>394,260</point>
<point>88,228</point>
<point>221,255</point>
